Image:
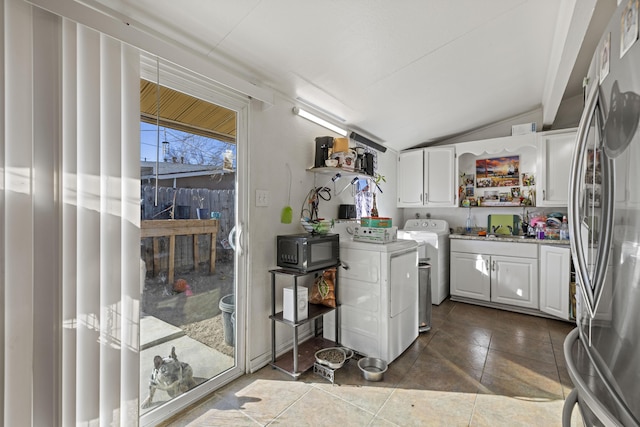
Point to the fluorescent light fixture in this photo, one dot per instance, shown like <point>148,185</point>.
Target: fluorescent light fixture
<point>307,115</point>
<point>366,141</point>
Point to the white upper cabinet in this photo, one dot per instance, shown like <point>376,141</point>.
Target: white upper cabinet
<point>410,178</point>
<point>439,177</point>
<point>555,152</point>
<point>426,177</point>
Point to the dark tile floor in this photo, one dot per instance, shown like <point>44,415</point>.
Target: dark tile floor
<point>476,367</point>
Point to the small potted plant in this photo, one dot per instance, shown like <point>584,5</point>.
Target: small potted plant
<point>374,207</point>
<point>201,211</point>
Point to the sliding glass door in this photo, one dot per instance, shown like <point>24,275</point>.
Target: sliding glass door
<point>190,141</point>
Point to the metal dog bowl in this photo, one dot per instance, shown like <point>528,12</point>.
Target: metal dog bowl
<point>372,368</point>
<point>333,357</point>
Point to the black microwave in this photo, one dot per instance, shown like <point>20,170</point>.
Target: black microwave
<point>308,252</point>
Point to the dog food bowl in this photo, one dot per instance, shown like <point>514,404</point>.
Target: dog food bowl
<point>372,368</point>
<point>333,357</point>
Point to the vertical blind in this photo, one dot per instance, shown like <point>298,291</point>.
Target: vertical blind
<point>69,215</point>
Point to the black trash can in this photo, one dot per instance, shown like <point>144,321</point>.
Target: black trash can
<point>424,295</point>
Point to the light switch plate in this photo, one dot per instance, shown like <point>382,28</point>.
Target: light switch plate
<point>262,198</point>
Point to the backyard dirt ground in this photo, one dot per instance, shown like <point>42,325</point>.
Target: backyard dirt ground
<point>196,311</point>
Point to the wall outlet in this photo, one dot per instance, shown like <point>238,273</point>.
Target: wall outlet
<point>262,198</point>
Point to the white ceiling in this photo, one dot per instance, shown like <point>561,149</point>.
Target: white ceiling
<point>403,72</point>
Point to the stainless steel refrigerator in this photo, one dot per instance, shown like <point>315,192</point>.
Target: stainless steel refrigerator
<point>603,352</point>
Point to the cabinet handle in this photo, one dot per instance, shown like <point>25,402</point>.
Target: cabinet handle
<point>426,197</point>
<point>544,195</point>
<point>493,265</point>
<point>487,262</point>
<point>421,197</point>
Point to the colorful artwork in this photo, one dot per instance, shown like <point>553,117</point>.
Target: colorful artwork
<point>498,172</point>
<point>467,185</point>
<point>528,180</point>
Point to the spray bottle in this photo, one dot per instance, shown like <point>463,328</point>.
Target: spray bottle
<point>467,227</point>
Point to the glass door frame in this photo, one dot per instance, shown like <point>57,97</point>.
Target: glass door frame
<point>182,80</point>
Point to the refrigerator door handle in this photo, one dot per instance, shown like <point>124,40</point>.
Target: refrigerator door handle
<point>591,285</point>
<point>567,408</point>
<point>581,390</point>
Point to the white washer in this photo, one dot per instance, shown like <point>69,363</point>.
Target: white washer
<point>435,233</point>
<point>378,293</point>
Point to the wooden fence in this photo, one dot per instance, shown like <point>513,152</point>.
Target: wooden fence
<point>170,200</point>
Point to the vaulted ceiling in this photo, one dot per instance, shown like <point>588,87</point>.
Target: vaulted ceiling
<point>403,72</point>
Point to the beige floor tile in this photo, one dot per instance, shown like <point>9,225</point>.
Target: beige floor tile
<point>350,386</point>
<point>264,399</point>
<point>318,408</point>
<point>381,422</point>
<point>214,412</point>
<point>367,397</point>
<point>496,411</point>
<point>428,408</point>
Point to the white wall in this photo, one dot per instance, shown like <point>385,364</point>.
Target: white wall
<point>498,129</point>
<point>278,137</point>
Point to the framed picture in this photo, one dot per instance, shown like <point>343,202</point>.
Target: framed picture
<point>528,180</point>
<point>501,171</point>
<point>628,26</point>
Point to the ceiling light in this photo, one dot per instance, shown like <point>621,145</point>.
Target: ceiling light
<point>307,115</point>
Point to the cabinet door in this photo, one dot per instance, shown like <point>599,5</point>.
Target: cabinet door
<point>514,281</point>
<point>439,177</point>
<point>555,277</point>
<point>554,158</point>
<point>469,276</point>
<point>410,178</point>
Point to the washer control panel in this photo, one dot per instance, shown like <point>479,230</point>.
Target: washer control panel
<point>435,225</point>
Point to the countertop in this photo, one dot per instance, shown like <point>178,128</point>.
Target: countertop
<point>507,238</point>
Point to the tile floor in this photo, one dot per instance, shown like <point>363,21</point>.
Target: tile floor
<point>476,367</point>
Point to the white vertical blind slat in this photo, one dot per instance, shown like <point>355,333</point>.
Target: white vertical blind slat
<point>18,215</point>
<point>110,208</point>
<point>70,211</point>
<point>88,255</point>
<point>46,259</point>
<point>69,222</point>
<point>131,282</point>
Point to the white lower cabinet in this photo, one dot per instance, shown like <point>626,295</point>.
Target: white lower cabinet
<point>555,278</point>
<point>486,271</point>
<point>469,275</point>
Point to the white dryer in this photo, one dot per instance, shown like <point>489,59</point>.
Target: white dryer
<point>378,295</point>
<point>435,234</point>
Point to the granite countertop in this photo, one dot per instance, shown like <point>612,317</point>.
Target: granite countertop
<point>508,238</point>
